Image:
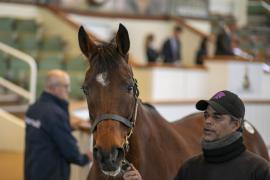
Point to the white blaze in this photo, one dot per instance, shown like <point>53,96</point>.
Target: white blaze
<point>102,79</point>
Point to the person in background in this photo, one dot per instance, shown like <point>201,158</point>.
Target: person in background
<point>202,51</point>
<point>151,53</point>
<point>50,147</point>
<point>224,40</point>
<point>171,49</point>
<point>224,155</point>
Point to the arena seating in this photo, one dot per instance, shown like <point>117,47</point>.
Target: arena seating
<point>76,67</point>
<point>30,37</point>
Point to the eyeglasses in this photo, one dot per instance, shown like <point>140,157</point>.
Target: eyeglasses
<point>66,86</point>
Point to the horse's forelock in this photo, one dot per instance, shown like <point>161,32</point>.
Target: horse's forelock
<point>106,59</point>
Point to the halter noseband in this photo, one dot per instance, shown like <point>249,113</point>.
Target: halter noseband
<point>115,117</point>
<point>129,122</point>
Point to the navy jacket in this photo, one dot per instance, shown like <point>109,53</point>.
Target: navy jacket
<point>152,54</point>
<point>50,147</point>
<point>223,44</point>
<point>169,54</point>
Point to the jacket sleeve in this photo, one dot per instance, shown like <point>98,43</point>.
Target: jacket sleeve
<point>226,43</point>
<point>60,133</point>
<point>183,171</point>
<point>179,175</point>
<point>262,171</point>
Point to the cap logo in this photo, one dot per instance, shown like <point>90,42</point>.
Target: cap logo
<point>219,95</point>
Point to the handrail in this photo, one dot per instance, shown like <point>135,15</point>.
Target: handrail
<point>266,4</point>
<point>13,119</point>
<point>232,58</point>
<point>12,132</point>
<point>166,65</point>
<point>31,95</point>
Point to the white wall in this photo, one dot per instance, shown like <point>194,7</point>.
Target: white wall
<point>18,10</point>
<point>229,74</point>
<point>171,83</point>
<point>161,83</point>
<point>177,83</point>
<point>12,132</point>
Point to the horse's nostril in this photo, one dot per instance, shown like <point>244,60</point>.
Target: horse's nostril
<point>96,153</point>
<point>116,154</point>
<point>109,160</point>
<point>120,153</point>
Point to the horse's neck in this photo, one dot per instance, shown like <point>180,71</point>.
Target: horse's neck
<point>153,136</point>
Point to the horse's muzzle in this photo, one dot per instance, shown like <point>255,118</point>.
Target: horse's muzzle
<point>109,161</point>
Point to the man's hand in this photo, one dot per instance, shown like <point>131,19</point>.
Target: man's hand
<point>90,155</point>
<point>132,174</point>
<point>84,124</point>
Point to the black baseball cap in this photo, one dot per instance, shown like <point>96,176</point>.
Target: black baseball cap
<point>224,102</point>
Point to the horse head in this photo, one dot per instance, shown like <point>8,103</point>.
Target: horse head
<point>111,93</point>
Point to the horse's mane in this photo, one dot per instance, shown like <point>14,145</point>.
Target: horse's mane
<point>149,106</point>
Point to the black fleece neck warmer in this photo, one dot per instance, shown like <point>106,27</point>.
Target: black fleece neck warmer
<point>224,153</point>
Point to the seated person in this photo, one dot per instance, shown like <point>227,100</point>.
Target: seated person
<point>151,53</point>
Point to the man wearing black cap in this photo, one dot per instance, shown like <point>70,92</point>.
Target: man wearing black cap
<point>224,154</point>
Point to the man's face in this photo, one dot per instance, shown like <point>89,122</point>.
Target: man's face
<point>232,27</point>
<point>177,33</point>
<point>62,89</point>
<point>217,126</point>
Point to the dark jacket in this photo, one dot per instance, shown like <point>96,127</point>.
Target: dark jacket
<point>49,144</point>
<point>231,162</point>
<point>151,54</point>
<point>169,54</point>
<point>224,44</point>
<point>201,53</point>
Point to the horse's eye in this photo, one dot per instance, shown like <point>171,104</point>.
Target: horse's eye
<point>130,88</point>
<point>85,89</point>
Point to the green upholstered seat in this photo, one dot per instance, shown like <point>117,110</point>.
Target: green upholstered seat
<point>51,61</point>
<point>77,63</point>
<point>26,25</point>
<point>53,43</point>
<point>6,24</point>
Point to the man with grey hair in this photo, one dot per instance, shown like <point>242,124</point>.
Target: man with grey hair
<point>50,147</point>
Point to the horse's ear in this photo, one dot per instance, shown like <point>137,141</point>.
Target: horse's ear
<point>122,40</point>
<point>86,44</point>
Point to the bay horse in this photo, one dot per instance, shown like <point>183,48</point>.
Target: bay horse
<point>127,131</point>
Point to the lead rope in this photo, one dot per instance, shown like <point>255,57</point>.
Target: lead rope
<point>125,163</point>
